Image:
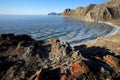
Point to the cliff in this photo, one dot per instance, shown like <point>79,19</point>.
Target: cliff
<point>102,12</point>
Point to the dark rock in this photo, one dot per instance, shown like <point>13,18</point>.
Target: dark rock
<point>46,74</point>
<point>6,36</point>
<point>24,38</point>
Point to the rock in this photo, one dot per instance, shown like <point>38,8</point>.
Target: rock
<point>8,40</point>
<point>6,37</point>
<point>30,51</point>
<point>59,49</point>
<point>75,54</point>
<point>46,74</point>
<point>7,43</point>
<point>74,70</point>
<point>78,69</point>
<point>36,76</point>
<point>66,12</point>
<point>35,60</point>
<point>12,73</point>
<point>12,38</point>
<point>112,61</point>
<point>23,46</point>
<point>24,38</point>
<point>66,77</point>
<point>54,41</point>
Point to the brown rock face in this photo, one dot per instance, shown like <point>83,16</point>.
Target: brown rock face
<point>102,12</point>
<point>80,12</point>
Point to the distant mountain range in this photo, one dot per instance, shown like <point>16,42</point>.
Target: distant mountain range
<point>53,13</point>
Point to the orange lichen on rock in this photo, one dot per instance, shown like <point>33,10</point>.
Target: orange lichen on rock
<point>77,69</point>
<point>111,61</point>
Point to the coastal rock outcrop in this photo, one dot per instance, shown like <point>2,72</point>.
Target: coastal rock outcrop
<point>102,12</point>
<point>27,59</point>
<point>67,12</point>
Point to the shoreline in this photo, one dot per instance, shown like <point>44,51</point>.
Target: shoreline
<point>113,32</point>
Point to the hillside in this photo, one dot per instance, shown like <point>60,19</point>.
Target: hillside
<point>106,11</point>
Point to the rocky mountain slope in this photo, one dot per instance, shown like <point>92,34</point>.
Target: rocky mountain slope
<point>106,11</point>
<point>23,58</point>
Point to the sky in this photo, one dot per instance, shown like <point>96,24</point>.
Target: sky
<point>41,7</point>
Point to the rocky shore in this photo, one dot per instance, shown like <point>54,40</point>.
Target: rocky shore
<point>23,58</point>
